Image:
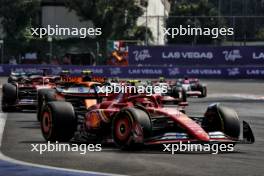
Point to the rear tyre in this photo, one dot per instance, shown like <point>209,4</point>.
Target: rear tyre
<point>9,97</point>
<point>221,118</point>
<point>203,90</point>
<point>130,127</point>
<point>180,93</point>
<point>58,121</point>
<point>184,96</point>
<point>175,92</point>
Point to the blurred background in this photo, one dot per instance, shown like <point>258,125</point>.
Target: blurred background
<point>123,23</point>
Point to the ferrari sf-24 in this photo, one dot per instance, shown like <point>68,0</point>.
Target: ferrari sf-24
<point>130,121</point>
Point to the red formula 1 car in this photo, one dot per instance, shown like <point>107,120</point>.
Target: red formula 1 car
<point>21,91</point>
<point>138,120</point>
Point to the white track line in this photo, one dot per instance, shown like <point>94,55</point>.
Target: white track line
<point>2,126</point>
<point>14,161</point>
<point>244,96</point>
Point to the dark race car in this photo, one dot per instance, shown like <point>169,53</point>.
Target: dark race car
<point>138,120</point>
<point>71,89</point>
<point>170,96</point>
<point>16,76</point>
<point>174,95</point>
<point>21,90</point>
<point>80,94</point>
<point>192,87</point>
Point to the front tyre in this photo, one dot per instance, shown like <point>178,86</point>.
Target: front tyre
<point>9,97</point>
<point>221,118</point>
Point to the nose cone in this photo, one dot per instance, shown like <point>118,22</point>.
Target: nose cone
<point>193,128</point>
<point>201,135</point>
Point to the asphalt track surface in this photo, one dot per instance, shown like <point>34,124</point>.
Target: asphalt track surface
<point>245,96</point>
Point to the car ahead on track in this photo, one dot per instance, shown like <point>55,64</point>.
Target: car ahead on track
<point>192,87</point>
<point>21,90</point>
<point>16,76</point>
<point>174,95</point>
<point>74,89</point>
<point>80,93</point>
<point>138,120</point>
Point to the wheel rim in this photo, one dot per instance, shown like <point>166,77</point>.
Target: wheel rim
<point>122,129</point>
<point>47,123</point>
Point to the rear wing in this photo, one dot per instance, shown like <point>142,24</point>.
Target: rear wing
<point>80,79</point>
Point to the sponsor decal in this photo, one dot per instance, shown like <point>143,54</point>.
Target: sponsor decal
<point>187,55</point>
<point>204,71</point>
<point>115,71</point>
<point>173,71</point>
<point>255,71</point>
<point>233,71</point>
<point>258,56</point>
<point>232,55</point>
<point>141,55</point>
<point>145,71</point>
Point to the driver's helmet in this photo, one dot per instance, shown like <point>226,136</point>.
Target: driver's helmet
<point>147,103</point>
<point>133,82</point>
<point>186,80</point>
<point>86,75</point>
<point>65,73</point>
<point>161,79</point>
<point>144,102</point>
<point>115,80</point>
<point>47,80</point>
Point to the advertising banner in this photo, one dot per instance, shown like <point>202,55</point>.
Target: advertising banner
<point>131,72</point>
<point>198,55</point>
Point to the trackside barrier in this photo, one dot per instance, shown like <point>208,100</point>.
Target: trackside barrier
<point>250,72</point>
<point>196,55</point>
